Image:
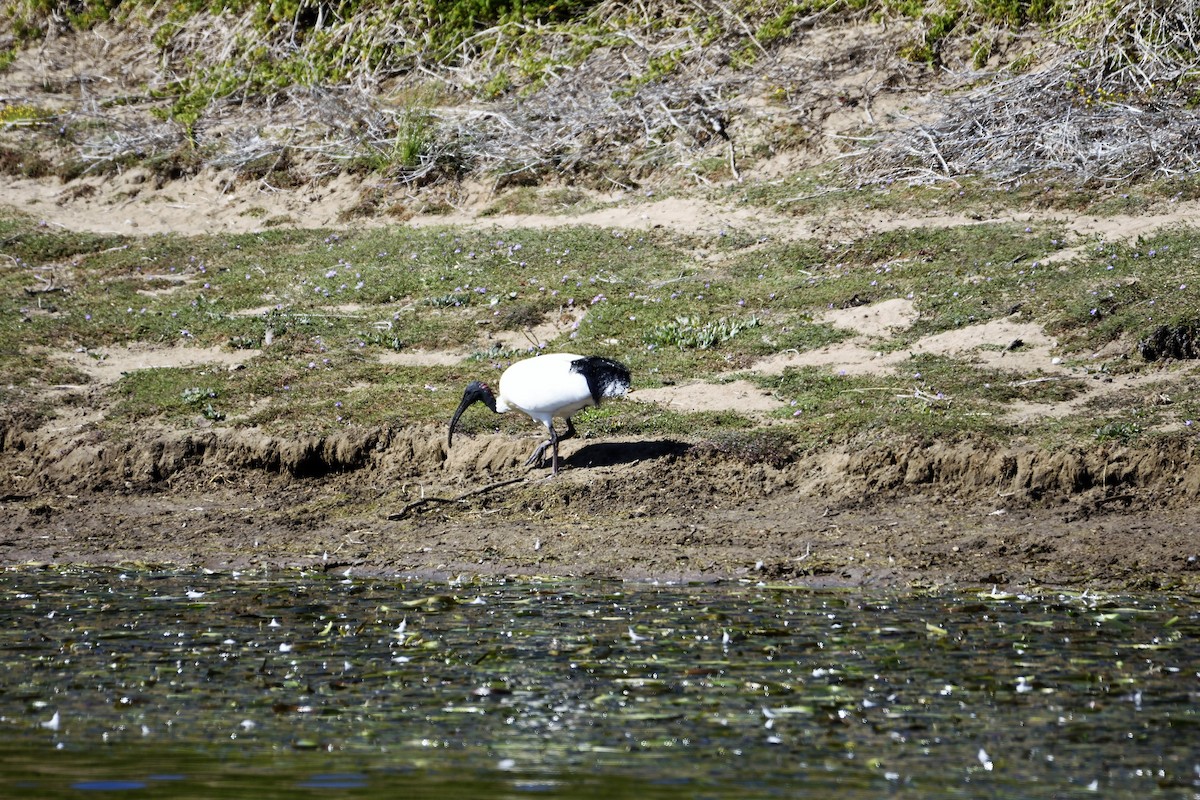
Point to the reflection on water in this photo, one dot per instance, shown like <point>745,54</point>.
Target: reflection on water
<point>188,685</point>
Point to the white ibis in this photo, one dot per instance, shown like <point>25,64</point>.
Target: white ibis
<point>549,386</point>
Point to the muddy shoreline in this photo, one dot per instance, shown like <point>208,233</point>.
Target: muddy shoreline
<point>398,502</point>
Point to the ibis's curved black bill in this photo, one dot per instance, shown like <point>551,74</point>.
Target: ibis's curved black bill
<point>476,392</point>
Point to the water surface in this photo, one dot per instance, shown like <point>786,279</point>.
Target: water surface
<point>160,684</point>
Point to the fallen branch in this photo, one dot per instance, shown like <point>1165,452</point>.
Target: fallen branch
<point>1031,381</point>
<point>402,513</point>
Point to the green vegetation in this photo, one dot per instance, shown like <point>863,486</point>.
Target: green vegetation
<point>817,191</point>
<point>326,309</point>
<point>690,332</point>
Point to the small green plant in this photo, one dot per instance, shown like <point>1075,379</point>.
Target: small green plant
<point>1117,432</point>
<point>21,114</point>
<point>414,135</point>
<point>196,395</point>
<point>691,333</point>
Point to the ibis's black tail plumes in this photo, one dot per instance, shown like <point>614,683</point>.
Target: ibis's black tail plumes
<point>605,377</point>
<point>476,392</point>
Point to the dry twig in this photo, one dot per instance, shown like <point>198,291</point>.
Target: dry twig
<point>415,504</point>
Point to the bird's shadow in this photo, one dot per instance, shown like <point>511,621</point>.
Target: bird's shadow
<point>609,454</point>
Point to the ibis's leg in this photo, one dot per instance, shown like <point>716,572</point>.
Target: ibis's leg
<point>555,439</point>
<point>554,444</point>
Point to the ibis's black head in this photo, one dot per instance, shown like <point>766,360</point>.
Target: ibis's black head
<point>476,392</point>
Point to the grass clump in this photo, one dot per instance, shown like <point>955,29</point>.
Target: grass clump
<point>170,394</point>
<point>693,333</point>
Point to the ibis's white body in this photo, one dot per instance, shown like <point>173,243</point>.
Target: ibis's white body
<point>549,386</point>
<point>544,388</point>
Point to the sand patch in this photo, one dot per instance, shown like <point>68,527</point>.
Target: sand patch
<point>628,212</point>
<point>877,319</point>
<point>107,364</point>
<point>740,396</point>
<point>557,323</point>
<point>999,344</point>
<point>854,357</point>
<point>421,358</point>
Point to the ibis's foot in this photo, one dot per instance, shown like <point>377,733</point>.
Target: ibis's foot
<point>537,454</point>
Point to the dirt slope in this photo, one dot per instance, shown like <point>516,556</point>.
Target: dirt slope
<point>400,501</point>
